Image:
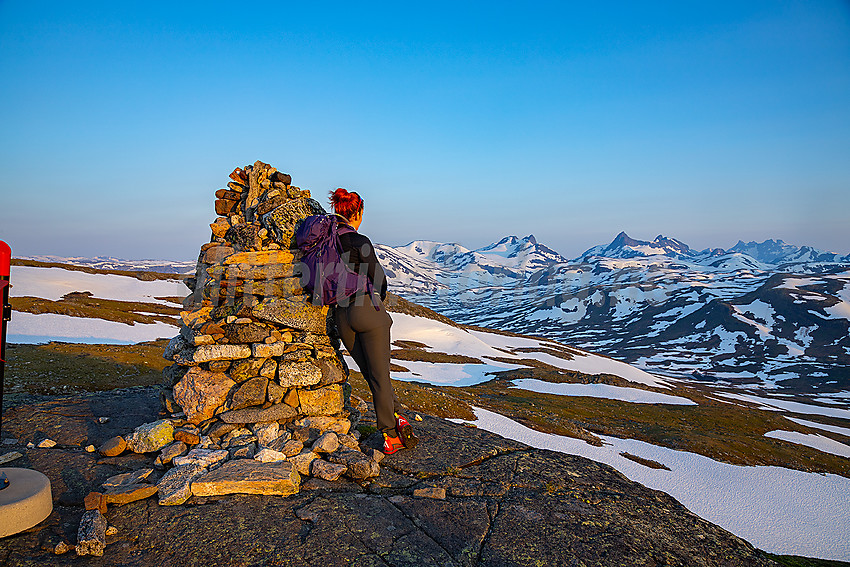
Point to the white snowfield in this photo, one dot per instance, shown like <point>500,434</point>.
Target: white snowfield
<point>27,328</point>
<point>772,404</point>
<point>486,346</point>
<point>813,440</point>
<point>607,391</point>
<point>831,428</point>
<point>779,510</point>
<point>53,283</point>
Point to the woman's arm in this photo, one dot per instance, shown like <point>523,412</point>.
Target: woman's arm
<point>373,268</point>
<point>359,251</point>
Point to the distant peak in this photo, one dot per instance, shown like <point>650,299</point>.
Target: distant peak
<point>624,239</point>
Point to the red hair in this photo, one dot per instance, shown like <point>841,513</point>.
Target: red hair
<point>347,204</point>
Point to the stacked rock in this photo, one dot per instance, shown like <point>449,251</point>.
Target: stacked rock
<point>256,376</point>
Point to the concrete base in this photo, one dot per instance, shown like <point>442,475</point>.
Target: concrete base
<point>25,502</point>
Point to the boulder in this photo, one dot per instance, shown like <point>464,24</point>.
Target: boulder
<point>282,221</point>
<point>127,493</point>
<point>246,333</point>
<point>258,414</point>
<point>358,466</point>
<point>302,461</point>
<point>201,457</point>
<point>327,443</point>
<point>113,447</point>
<point>293,312</point>
<point>175,348</point>
<point>327,471</point>
<point>175,486</point>
<point>340,425</point>
<point>266,432</point>
<point>322,401</point>
<point>91,535</point>
<point>243,236</point>
<point>207,353</point>
<point>269,456</point>
<point>201,392</point>
<point>95,501</point>
<point>298,374</point>
<point>275,392</point>
<point>246,368</point>
<point>261,258</point>
<point>332,371</point>
<point>124,479</point>
<point>151,437</point>
<point>249,393</point>
<point>172,450</point>
<point>261,350</point>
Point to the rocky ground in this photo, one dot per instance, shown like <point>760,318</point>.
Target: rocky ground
<point>462,497</point>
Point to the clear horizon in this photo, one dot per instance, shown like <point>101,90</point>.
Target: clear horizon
<point>159,259</point>
<point>708,123</point>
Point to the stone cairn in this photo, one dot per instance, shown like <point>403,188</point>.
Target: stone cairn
<point>257,394</point>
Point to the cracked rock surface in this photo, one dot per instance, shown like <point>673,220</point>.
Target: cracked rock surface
<point>505,504</point>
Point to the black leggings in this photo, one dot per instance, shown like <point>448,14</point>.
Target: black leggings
<point>365,332</point>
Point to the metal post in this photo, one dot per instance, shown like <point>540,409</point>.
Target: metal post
<point>5,314</point>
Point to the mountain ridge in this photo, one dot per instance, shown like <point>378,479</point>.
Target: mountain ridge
<point>657,304</point>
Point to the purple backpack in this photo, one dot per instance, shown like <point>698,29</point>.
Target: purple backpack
<point>324,274</point>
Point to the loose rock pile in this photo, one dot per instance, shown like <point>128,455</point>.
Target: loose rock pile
<point>258,394</point>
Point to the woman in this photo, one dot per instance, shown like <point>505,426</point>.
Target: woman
<point>364,324</point>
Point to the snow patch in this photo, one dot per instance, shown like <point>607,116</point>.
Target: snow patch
<point>813,440</point>
<point>815,425</point>
<point>779,510</point>
<point>53,283</point>
<point>28,328</point>
<point>796,407</point>
<point>607,391</point>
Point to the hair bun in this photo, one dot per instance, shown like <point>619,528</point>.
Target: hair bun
<point>339,196</point>
<point>346,203</point>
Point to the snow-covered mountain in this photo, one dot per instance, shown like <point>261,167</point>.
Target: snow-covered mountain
<point>109,263</point>
<point>511,257</point>
<point>769,312</point>
<point>623,246</point>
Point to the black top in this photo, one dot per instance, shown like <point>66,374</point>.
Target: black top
<point>357,250</point>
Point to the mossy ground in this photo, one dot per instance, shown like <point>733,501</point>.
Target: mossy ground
<point>68,368</point>
<point>81,304</point>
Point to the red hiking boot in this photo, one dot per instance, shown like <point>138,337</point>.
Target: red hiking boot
<point>405,431</point>
<point>392,444</point>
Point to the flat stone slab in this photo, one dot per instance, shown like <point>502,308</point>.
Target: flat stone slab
<point>127,493</point>
<point>247,476</point>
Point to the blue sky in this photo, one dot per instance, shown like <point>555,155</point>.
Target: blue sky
<point>461,122</point>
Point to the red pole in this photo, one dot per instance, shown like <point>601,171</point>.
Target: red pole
<point>5,312</point>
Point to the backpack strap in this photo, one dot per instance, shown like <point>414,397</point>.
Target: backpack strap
<point>344,229</point>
